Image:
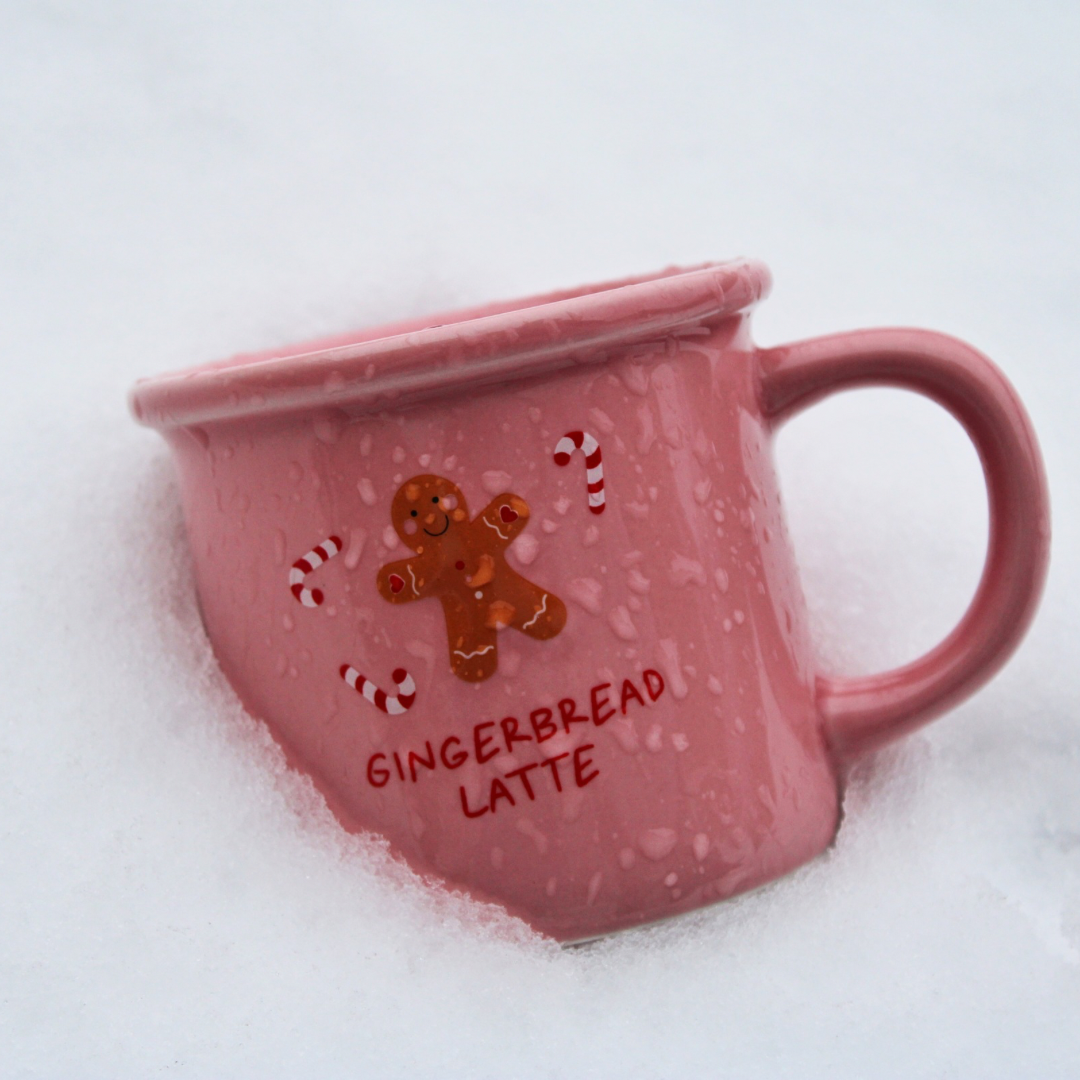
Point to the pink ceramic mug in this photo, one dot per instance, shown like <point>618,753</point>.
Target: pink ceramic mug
<point>513,585</point>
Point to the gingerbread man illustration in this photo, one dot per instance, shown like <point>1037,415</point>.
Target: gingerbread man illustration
<point>463,563</point>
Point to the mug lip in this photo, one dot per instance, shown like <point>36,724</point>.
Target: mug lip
<point>376,369</point>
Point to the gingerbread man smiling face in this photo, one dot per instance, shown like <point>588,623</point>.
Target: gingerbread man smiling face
<point>463,563</point>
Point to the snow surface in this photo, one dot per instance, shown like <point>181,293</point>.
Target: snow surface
<point>179,181</point>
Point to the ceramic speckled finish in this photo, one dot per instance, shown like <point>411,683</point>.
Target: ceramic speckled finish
<point>513,585</point>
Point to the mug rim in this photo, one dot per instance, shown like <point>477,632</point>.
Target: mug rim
<point>374,370</point>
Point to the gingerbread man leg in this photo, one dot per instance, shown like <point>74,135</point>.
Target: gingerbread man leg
<point>474,649</point>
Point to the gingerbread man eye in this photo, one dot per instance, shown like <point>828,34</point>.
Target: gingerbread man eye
<point>413,512</point>
<point>435,498</point>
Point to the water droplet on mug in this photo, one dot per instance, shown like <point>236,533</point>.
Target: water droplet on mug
<point>367,491</point>
<point>622,624</point>
<point>601,420</point>
<point>622,727</point>
<point>525,548</point>
<point>587,592</point>
<point>495,481</point>
<point>594,888</point>
<point>655,844</point>
<point>328,426</point>
<point>669,661</point>
<point>353,553</point>
<point>634,378</point>
<point>685,570</point>
<point>527,828</point>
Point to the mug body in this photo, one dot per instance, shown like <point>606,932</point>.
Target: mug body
<point>622,727</point>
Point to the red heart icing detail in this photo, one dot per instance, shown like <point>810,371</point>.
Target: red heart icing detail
<point>396,583</point>
<point>507,514</point>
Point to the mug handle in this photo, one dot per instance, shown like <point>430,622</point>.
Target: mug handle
<point>864,713</point>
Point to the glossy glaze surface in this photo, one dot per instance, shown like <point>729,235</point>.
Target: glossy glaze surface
<point>664,746</point>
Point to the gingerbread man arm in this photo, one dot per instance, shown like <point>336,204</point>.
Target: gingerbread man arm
<point>502,520</point>
<point>535,611</point>
<point>408,579</point>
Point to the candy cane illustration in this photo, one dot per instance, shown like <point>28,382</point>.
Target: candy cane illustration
<point>594,468</point>
<point>321,553</point>
<point>394,705</point>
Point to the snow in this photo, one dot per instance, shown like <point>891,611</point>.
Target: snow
<point>182,181</point>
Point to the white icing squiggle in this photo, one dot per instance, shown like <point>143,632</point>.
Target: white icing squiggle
<point>543,608</point>
<point>479,652</point>
<point>496,528</point>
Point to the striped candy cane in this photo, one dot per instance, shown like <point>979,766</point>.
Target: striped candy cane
<point>323,552</point>
<point>395,705</point>
<point>594,468</point>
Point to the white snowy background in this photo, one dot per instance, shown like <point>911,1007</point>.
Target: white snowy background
<point>179,181</point>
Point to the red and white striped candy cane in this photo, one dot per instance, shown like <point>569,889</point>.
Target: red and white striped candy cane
<point>594,468</point>
<point>394,705</point>
<point>321,553</point>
